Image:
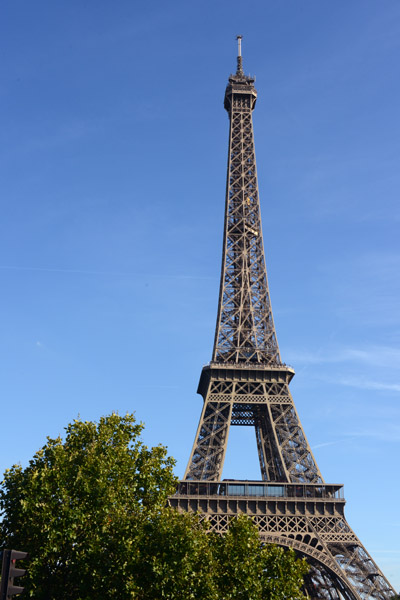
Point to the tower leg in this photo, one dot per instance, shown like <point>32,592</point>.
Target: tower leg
<point>207,458</point>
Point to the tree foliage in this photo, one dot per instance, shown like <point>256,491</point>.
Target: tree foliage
<point>250,570</point>
<point>91,511</point>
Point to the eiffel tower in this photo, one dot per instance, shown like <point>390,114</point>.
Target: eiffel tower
<point>246,383</point>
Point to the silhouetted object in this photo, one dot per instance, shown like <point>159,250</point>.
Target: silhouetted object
<point>9,571</point>
<point>246,383</point>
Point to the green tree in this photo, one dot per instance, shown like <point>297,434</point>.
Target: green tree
<point>78,507</point>
<point>91,511</point>
<point>247,569</point>
<point>175,559</point>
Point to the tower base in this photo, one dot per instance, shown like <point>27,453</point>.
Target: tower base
<point>306,517</point>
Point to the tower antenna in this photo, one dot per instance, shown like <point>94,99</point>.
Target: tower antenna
<point>239,39</point>
<point>239,70</point>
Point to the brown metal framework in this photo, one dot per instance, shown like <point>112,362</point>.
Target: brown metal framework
<point>247,384</point>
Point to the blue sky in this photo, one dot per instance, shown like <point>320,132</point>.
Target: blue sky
<point>112,183</point>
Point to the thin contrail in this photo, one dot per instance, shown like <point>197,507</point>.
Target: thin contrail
<point>58,270</point>
<point>84,272</point>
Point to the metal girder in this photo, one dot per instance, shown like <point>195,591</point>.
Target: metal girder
<point>284,452</point>
<point>245,331</point>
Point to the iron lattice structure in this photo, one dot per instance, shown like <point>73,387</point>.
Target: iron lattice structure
<point>246,383</point>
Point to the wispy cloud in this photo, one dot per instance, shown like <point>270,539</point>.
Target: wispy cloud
<point>381,434</point>
<point>378,356</point>
<point>388,551</point>
<point>332,443</point>
<point>388,433</point>
<point>366,384</point>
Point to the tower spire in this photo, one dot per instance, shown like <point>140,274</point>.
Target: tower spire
<point>245,331</point>
<point>239,69</point>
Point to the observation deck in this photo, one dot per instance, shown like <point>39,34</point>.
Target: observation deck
<point>232,497</point>
<point>261,489</point>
